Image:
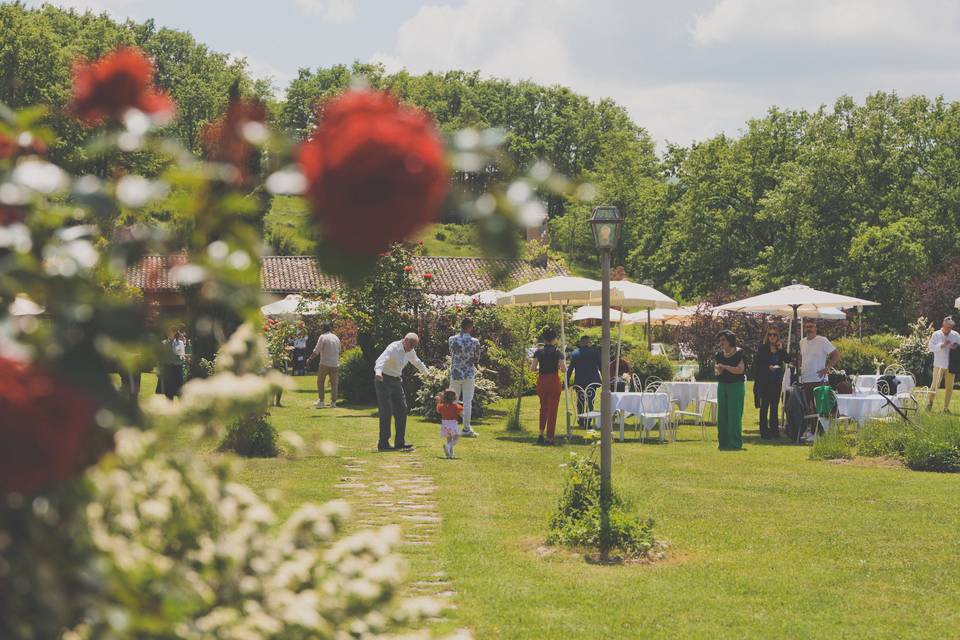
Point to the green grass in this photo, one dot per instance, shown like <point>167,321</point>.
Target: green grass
<point>764,543</point>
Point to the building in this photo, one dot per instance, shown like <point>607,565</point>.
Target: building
<point>283,275</point>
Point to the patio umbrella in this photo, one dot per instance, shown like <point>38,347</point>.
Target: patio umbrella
<point>291,306</point>
<point>595,312</point>
<point>632,294</point>
<point>796,298</point>
<point>461,299</point>
<point>558,291</point>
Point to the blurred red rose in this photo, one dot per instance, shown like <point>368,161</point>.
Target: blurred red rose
<point>45,425</point>
<point>121,80</point>
<point>11,215</point>
<point>227,139</point>
<point>408,268</point>
<point>428,276</point>
<point>375,171</point>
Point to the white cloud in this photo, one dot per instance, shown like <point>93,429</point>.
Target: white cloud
<point>333,11</point>
<point>840,21</point>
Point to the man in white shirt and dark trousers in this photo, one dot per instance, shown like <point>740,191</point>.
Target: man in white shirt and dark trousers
<point>942,342</point>
<point>328,351</point>
<point>817,357</point>
<point>391,401</point>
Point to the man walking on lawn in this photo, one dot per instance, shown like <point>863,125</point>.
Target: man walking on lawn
<point>391,401</point>
<point>942,343</point>
<point>328,351</point>
<point>464,357</point>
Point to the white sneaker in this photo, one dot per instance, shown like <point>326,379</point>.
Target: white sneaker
<point>333,405</point>
<point>319,404</point>
<point>446,450</point>
<point>808,436</point>
<point>469,433</point>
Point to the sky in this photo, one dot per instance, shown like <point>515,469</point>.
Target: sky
<point>684,69</point>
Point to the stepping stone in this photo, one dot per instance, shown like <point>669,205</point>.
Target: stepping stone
<point>430,519</point>
<point>447,594</point>
<point>417,543</point>
<point>350,485</point>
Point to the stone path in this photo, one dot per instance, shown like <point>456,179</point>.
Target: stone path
<point>392,488</point>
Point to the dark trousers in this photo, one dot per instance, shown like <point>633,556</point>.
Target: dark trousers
<point>391,403</point>
<point>769,416</point>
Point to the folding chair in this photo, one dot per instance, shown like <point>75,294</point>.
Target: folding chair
<point>586,398</point>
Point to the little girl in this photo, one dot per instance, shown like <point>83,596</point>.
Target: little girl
<point>450,411</point>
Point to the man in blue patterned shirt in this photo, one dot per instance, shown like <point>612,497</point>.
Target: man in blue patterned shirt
<point>464,357</point>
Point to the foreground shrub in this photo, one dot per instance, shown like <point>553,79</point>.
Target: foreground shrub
<point>877,439</point>
<point>888,342</point>
<point>251,437</point>
<point>437,380</point>
<point>576,522</point>
<point>934,445</point>
<point>858,358</point>
<point>833,445</point>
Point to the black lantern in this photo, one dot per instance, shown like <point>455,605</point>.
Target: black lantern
<point>606,223</point>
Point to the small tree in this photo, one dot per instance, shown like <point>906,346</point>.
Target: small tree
<point>914,354</point>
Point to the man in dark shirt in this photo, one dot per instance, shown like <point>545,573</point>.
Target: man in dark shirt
<point>584,370</point>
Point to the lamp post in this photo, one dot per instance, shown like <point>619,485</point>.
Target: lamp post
<point>648,282</point>
<point>606,223</point>
<point>860,321</point>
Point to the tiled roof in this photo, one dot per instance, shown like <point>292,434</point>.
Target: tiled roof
<point>300,274</point>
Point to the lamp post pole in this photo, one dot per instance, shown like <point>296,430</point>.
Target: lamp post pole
<point>649,283</point>
<point>606,223</point>
<point>606,426</point>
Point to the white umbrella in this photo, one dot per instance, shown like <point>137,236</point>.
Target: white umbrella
<point>633,294</point>
<point>490,296</point>
<point>24,306</point>
<point>821,313</point>
<point>291,306</point>
<point>461,299</point>
<point>594,312</point>
<point>674,317</point>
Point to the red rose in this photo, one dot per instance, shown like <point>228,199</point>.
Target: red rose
<point>225,140</point>
<point>428,276</point>
<point>408,268</point>
<point>375,171</point>
<point>45,425</point>
<point>122,80</point>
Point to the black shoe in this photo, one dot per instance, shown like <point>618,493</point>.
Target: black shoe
<point>384,447</point>
<point>540,440</point>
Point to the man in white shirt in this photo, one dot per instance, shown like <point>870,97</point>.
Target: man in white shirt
<point>464,358</point>
<point>817,357</point>
<point>391,401</point>
<point>328,351</point>
<point>941,343</point>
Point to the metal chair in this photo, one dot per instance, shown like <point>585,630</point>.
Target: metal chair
<point>836,418</point>
<point>651,408</point>
<point>587,397</point>
<point>637,382</point>
<point>699,416</point>
<point>884,389</point>
<point>653,385</point>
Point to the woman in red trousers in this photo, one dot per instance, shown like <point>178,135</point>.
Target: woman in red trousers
<point>548,362</point>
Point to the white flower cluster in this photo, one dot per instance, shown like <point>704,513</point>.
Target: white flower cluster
<point>244,352</point>
<point>190,554</point>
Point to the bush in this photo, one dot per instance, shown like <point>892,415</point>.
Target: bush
<point>858,358</point>
<point>934,445</point>
<point>914,354</point>
<point>888,342</point>
<point>355,384</point>
<point>577,519</point>
<point>645,366</point>
<point>877,439</point>
<point>251,437</point>
<point>437,380</point>
<point>833,445</point>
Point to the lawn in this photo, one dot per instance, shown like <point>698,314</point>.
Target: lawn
<point>763,543</point>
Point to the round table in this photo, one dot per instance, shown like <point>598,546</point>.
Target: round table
<point>686,393</point>
<point>868,383</point>
<point>641,405</point>
<point>863,407</point>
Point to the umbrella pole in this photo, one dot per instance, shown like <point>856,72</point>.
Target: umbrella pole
<point>616,378</point>
<point>566,385</point>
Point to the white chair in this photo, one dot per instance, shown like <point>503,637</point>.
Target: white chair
<point>924,397</point>
<point>588,397</point>
<point>637,383</point>
<point>884,389</point>
<point>838,419</point>
<point>699,416</point>
<point>656,406</point>
<point>653,385</point>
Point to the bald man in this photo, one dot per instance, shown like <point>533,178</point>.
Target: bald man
<point>391,401</point>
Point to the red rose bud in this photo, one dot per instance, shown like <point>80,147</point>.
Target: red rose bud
<point>428,276</point>
<point>45,425</point>
<point>109,87</point>
<point>228,140</point>
<point>375,171</point>
<point>408,268</point>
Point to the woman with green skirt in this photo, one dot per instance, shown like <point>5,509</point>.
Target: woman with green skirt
<point>730,391</point>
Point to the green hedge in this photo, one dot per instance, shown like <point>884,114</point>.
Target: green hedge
<point>355,384</point>
<point>858,357</point>
<point>251,437</point>
<point>645,366</point>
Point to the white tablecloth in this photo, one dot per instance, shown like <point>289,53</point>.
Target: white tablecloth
<point>687,393</point>
<point>863,407</point>
<point>636,404</point>
<point>868,384</point>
